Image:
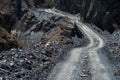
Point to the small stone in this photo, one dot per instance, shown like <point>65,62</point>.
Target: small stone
<point>2,73</point>
<point>11,63</point>
<point>28,65</point>
<point>43,52</point>
<point>83,75</point>
<point>5,61</point>
<point>20,50</point>
<point>1,78</point>
<point>41,65</point>
<point>21,79</point>
<point>30,56</point>
<point>21,61</point>
<point>1,57</point>
<point>12,49</point>
<point>85,57</point>
<point>46,63</point>
<point>3,66</point>
<point>16,55</point>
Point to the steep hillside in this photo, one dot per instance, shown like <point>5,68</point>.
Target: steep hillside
<point>104,13</point>
<point>36,39</point>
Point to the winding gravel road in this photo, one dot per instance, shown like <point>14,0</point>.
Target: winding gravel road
<point>86,63</point>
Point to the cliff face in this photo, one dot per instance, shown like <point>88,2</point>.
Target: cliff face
<point>104,13</point>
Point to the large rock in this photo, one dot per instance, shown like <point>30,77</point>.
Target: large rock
<point>7,41</point>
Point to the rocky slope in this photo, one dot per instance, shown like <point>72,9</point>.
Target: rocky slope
<point>45,38</point>
<point>113,49</point>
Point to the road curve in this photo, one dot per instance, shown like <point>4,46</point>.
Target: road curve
<point>100,67</point>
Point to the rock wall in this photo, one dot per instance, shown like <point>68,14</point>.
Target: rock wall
<point>103,13</point>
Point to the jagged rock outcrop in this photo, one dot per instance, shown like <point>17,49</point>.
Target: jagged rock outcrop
<point>49,24</point>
